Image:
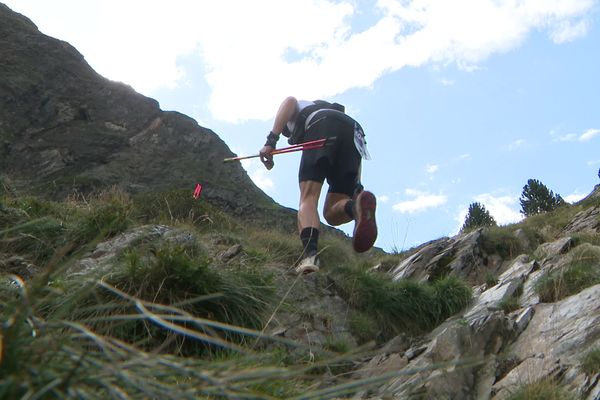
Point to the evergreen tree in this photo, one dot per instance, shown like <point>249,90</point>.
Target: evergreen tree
<point>478,216</point>
<point>537,198</point>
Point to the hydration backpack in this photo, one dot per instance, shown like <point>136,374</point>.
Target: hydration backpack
<point>297,135</point>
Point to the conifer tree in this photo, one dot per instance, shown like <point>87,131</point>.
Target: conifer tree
<point>537,198</point>
<point>478,216</point>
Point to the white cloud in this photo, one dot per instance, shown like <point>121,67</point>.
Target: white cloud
<point>447,82</point>
<point>516,144</point>
<point>260,179</point>
<point>465,156</point>
<point>590,163</point>
<point>256,53</point>
<point>502,208</point>
<point>383,199</point>
<point>567,31</point>
<point>460,220</point>
<point>569,137</point>
<point>574,197</point>
<point>421,202</point>
<point>259,175</point>
<point>432,168</point>
<point>589,134</point>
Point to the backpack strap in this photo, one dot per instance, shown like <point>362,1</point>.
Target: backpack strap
<point>297,135</point>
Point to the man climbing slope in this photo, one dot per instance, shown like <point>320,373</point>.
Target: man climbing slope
<point>339,162</point>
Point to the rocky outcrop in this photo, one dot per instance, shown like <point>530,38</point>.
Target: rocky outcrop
<point>507,337</point>
<point>552,345</point>
<point>586,221</point>
<point>462,256</point>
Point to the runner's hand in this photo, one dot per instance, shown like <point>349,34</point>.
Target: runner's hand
<point>266,157</point>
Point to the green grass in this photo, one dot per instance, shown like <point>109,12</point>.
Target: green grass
<point>582,272</point>
<point>510,304</point>
<point>271,246</point>
<point>165,306</point>
<point>48,356</point>
<point>401,306</point>
<point>546,227</point>
<point>501,241</point>
<point>39,229</point>
<point>590,362</point>
<point>178,206</point>
<point>363,326</point>
<point>174,275</point>
<point>581,238</point>
<point>491,280</point>
<point>546,389</point>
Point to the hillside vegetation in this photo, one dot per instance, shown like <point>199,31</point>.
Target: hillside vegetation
<point>164,296</point>
<point>182,307</point>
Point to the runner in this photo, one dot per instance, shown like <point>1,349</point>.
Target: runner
<point>339,163</point>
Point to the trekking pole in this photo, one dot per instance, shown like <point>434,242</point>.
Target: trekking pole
<point>313,144</point>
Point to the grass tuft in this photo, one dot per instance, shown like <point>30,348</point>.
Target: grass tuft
<point>590,362</point>
<point>401,306</point>
<point>177,275</point>
<point>579,274</point>
<point>501,241</point>
<point>545,389</point>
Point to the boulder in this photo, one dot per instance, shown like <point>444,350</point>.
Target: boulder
<point>461,256</point>
<point>585,221</point>
<point>554,341</point>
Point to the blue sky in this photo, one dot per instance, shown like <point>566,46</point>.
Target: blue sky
<point>461,100</point>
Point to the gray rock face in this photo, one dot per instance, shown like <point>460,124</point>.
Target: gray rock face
<point>489,352</point>
<point>314,316</point>
<point>586,221</point>
<point>555,340</point>
<point>102,259</point>
<point>460,256</point>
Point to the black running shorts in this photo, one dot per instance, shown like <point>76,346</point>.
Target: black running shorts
<point>338,162</point>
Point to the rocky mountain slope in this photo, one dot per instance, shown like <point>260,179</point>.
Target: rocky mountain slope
<point>522,327</point>
<point>64,128</point>
<point>477,316</point>
<point>532,316</point>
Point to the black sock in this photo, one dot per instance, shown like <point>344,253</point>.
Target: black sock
<point>349,208</point>
<point>310,240</point>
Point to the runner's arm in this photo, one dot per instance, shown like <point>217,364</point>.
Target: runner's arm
<point>287,110</point>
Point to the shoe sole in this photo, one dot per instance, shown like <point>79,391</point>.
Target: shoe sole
<point>365,230</point>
